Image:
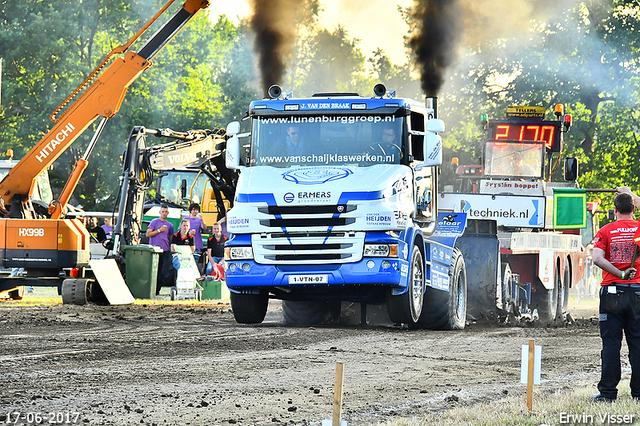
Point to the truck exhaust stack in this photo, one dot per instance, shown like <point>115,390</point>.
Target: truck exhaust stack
<point>432,103</point>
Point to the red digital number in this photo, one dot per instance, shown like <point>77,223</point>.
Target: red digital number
<point>505,133</point>
<point>549,141</point>
<point>526,133</point>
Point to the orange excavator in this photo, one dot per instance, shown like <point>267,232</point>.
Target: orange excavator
<point>46,249</point>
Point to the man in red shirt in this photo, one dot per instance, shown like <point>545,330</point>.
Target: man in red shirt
<point>619,298</point>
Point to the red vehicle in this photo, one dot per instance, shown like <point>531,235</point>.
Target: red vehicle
<point>520,258</point>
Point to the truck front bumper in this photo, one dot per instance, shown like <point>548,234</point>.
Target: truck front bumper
<point>247,275</point>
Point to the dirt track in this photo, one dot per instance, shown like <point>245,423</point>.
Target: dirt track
<point>182,364</point>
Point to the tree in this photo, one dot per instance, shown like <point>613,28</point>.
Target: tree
<point>51,46</point>
<point>584,57</point>
<point>335,64</point>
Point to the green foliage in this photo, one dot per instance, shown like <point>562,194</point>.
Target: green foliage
<point>52,46</point>
<point>337,64</point>
<point>584,55</point>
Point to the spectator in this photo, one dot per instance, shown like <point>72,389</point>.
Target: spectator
<point>181,238</point>
<point>613,252</point>
<point>108,229</point>
<point>223,227</point>
<point>159,233</point>
<point>197,226</point>
<point>215,247</point>
<point>97,233</point>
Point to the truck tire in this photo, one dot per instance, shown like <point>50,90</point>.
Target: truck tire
<point>249,308</point>
<point>447,310</point>
<point>546,301</point>
<point>310,312</point>
<point>74,291</point>
<point>407,307</point>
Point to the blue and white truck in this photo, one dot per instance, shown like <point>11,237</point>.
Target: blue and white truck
<point>328,209</point>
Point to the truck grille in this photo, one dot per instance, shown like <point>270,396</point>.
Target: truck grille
<point>307,248</point>
<point>321,209</point>
<point>308,234</point>
<point>305,223</point>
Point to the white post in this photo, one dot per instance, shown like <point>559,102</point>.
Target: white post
<point>530,369</point>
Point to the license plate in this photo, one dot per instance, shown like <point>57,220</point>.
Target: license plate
<point>308,279</point>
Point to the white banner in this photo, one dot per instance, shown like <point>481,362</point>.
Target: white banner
<point>506,210</point>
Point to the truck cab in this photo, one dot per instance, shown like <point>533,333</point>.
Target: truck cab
<point>335,201</point>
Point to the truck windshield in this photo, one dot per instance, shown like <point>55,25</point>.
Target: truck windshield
<point>359,140</point>
<point>514,159</point>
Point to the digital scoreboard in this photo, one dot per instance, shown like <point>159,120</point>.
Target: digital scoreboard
<point>527,130</point>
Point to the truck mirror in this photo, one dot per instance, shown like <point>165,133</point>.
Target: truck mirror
<point>570,169</point>
<point>432,149</point>
<point>435,125</point>
<point>611,215</point>
<point>232,155</point>
<point>233,128</point>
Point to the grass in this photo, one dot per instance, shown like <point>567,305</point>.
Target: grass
<point>550,407</point>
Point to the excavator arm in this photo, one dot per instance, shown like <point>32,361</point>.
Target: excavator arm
<point>196,149</point>
<point>102,98</point>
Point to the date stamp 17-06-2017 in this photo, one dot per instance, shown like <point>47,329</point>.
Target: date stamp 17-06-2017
<point>39,418</point>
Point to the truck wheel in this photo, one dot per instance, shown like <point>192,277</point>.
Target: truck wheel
<point>546,301</point>
<point>249,308</point>
<point>563,294</point>
<point>74,291</point>
<point>407,307</point>
<point>447,310</point>
<point>311,312</point>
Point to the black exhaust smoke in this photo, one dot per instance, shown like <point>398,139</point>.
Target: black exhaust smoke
<point>273,22</point>
<point>435,41</point>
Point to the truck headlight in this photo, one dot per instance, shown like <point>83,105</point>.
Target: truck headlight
<point>238,253</point>
<point>381,250</point>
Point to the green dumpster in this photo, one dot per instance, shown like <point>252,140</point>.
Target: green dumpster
<point>141,263</point>
<point>213,289</point>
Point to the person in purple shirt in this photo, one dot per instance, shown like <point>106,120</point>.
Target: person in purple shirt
<point>159,232</point>
<point>107,227</point>
<point>197,226</point>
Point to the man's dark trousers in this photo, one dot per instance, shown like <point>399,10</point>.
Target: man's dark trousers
<point>619,310</point>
